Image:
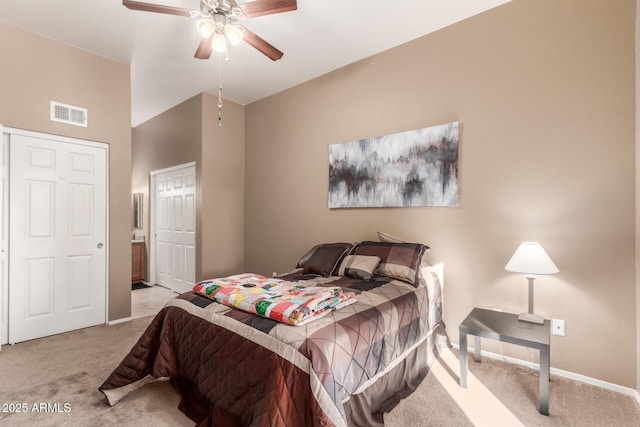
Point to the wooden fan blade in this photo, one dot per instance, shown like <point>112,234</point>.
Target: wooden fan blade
<point>268,7</point>
<point>158,8</point>
<point>263,46</point>
<point>204,48</point>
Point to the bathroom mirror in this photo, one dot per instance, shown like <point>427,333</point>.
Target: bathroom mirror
<point>137,210</point>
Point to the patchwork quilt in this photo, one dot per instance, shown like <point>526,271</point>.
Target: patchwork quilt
<point>277,299</point>
<point>237,368</point>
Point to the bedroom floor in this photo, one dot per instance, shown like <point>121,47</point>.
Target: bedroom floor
<point>71,367</point>
<point>149,301</point>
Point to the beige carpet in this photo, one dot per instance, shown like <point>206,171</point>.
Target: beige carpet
<point>63,372</point>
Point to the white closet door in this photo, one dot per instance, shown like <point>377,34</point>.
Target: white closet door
<point>175,229</point>
<point>57,278</point>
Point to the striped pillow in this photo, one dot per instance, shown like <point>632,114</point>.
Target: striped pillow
<point>358,266</point>
<point>325,258</point>
<point>397,260</point>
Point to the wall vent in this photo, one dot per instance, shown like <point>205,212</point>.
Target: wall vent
<point>68,114</point>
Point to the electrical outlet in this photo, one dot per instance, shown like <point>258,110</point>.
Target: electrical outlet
<point>558,327</point>
<point>274,274</point>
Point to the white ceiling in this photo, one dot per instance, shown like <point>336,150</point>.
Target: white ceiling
<point>321,36</point>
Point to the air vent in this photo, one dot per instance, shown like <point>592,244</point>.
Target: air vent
<point>68,114</point>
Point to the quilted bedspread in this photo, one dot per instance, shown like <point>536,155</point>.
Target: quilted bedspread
<point>345,368</point>
<point>277,299</point>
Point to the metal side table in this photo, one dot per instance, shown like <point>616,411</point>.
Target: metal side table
<point>506,327</point>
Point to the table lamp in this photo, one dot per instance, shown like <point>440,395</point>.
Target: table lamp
<point>531,259</point>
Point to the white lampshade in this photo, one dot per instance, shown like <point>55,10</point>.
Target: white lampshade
<point>531,258</point>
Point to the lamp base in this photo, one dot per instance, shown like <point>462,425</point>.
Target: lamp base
<point>531,318</point>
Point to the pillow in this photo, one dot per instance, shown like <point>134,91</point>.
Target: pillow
<point>384,237</point>
<point>358,266</point>
<point>397,260</point>
<point>305,257</point>
<point>325,258</point>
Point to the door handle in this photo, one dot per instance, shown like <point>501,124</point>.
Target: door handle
<point>100,245</point>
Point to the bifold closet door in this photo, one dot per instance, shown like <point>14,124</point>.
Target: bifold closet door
<point>57,279</point>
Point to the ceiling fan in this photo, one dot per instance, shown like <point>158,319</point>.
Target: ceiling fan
<point>218,22</point>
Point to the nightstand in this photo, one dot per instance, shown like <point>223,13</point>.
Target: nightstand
<point>506,327</point>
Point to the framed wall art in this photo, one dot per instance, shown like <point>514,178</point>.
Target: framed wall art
<point>413,168</point>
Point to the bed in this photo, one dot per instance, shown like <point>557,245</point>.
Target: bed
<point>347,367</point>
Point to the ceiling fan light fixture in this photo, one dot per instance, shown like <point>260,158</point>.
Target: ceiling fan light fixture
<point>219,43</point>
<point>234,33</point>
<point>206,27</point>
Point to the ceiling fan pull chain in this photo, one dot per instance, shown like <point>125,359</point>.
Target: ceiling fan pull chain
<point>219,90</point>
<point>220,107</point>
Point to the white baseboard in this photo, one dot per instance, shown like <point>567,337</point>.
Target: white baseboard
<point>115,322</point>
<point>561,373</point>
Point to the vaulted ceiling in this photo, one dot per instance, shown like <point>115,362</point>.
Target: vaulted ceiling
<point>318,37</point>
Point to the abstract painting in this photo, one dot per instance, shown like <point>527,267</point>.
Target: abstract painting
<point>413,168</point>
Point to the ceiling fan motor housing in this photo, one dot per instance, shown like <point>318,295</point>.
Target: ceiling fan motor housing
<point>229,8</point>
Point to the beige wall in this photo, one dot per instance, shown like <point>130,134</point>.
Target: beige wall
<point>189,132</point>
<point>223,191</point>
<point>637,194</point>
<point>544,91</point>
<point>36,70</point>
